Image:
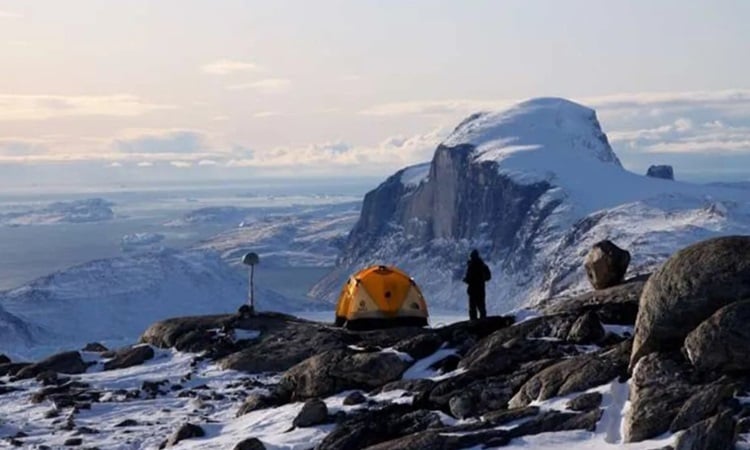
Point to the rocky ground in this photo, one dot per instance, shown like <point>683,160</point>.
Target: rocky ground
<point>654,362</point>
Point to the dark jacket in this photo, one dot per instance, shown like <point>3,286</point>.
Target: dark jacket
<point>477,273</point>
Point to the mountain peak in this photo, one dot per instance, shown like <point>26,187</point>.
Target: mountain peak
<point>538,134</point>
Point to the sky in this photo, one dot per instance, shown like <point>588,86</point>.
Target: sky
<point>102,92</point>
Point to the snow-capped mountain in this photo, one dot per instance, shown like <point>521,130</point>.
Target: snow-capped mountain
<point>532,187</point>
<point>306,237</point>
<point>114,300</point>
<point>76,211</point>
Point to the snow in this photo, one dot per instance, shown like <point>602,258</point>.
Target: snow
<point>113,301</point>
<point>421,368</point>
<point>140,241</point>
<point>75,211</point>
<point>413,176</point>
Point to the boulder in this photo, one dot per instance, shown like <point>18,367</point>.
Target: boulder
<point>313,412</point>
<point>585,402</point>
<point>66,362</point>
<point>94,347</point>
<point>4,359</point>
<point>606,264</point>
<point>129,357</point>
<point>659,388</point>
<point>380,425</point>
<point>722,342</point>
<point>664,172</point>
<point>587,329</point>
<point>259,400</point>
<point>420,346</point>
<point>704,403</point>
<point>614,305</point>
<point>12,368</point>
<point>250,444</point>
<point>355,398</point>
<point>334,371</point>
<point>575,374</point>
<point>715,433</point>
<point>186,431</point>
<point>687,289</point>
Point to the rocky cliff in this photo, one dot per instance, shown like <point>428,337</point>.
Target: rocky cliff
<point>532,188</point>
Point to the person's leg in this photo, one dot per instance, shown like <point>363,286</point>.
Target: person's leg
<point>472,307</point>
<point>481,305</point>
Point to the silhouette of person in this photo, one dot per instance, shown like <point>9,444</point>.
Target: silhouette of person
<point>477,274</point>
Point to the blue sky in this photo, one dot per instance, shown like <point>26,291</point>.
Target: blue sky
<point>109,91</point>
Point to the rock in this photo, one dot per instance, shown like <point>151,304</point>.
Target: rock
<point>585,402</point>
<point>127,423</point>
<point>587,329</point>
<point>250,444</point>
<point>186,431</point>
<point>256,401</point>
<point>129,357</point>
<point>574,374</point>
<point>503,350</point>
<point>4,359</point>
<point>314,412</point>
<point>716,433</point>
<point>334,371</point>
<point>420,346</point>
<point>95,347</point>
<point>67,362</point>
<point>431,440</point>
<point>380,425</point>
<point>461,406</point>
<point>687,289</point>
<point>355,398</point>
<point>659,388</point>
<point>704,403</point>
<point>606,264</point>
<point>73,442</point>
<point>12,368</point>
<point>552,421</point>
<point>614,305</point>
<point>664,172</point>
<point>722,342</point>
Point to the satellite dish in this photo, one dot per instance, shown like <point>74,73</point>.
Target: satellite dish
<point>250,259</point>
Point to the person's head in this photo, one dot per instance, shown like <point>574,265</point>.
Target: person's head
<point>474,254</point>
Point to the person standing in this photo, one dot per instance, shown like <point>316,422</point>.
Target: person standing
<point>477,274</point>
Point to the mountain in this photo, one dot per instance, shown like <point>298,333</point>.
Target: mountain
<point>113,300</point>
<point>531,187</point>
<point>76,211</point>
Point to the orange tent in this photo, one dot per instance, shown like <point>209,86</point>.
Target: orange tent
<point>379,297</point>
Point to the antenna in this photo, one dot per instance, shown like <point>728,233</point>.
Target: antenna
<point>251,259</point>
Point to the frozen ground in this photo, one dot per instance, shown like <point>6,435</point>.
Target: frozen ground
<point>127,418</point>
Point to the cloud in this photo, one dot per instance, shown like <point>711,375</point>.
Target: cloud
<point>390,154</point>
<point>654,102</point>
<point>168,141</point>
<point>685,137</point>
<point>228,66</point>
<point>40,107</point>
<point>181,164</point>
<point>10,15</point>
<point>266,86</point>
<point>22,146</point>
<point>145,164</point>
<point>263,114</point>
<point>114,164</point>
<point>207,162</point>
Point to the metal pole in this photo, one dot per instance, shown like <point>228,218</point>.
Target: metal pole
<point>252,290</point>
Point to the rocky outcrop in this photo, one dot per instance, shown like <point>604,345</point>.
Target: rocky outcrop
<point>129,357</point>
<point>664,172</point>
<point>575,374</point>
<point>186,431</point>
<point>313,412</point>
<point>722,342</point>
<point>335,371</point>
<point>606,264</point>
<point>67,362</point>
<point>693,284</point>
